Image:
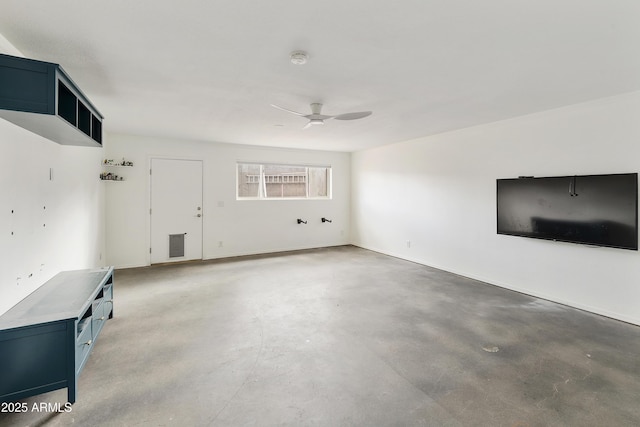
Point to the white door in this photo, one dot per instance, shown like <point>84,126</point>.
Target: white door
<point>176,210</point>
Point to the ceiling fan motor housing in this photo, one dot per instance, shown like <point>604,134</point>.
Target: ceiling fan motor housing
<point>316,108</point>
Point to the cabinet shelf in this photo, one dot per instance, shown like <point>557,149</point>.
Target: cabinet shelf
<point>41,97</point>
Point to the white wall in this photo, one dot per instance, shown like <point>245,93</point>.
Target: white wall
<point>244,227</point>
<point>51,208</point>
<point>46,225</point>
<point>439,193</point>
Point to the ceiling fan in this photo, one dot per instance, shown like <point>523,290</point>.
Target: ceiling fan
<point>317,118</point>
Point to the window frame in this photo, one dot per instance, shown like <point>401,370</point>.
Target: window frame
<point>262,184</point>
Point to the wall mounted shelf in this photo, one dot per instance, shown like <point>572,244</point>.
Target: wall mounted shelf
<point>41,97</point>
<point>123,164</point>
<point>110,176</point>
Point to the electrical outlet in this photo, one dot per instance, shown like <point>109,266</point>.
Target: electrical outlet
<point>220,243</point>
<point>408,243</point>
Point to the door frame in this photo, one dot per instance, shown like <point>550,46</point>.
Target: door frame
<point>148,213</point>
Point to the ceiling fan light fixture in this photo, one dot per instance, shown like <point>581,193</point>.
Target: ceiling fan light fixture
<point>299,57</point>
<point>316,122</point>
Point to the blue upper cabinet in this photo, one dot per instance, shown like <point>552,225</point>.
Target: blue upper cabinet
<point>41,97</point>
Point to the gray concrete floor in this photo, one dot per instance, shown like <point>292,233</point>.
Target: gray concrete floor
<point>345,337</point>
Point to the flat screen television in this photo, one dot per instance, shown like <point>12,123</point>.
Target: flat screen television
<point>599,210</point>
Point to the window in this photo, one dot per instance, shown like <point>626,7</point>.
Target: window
<point>269,181</point>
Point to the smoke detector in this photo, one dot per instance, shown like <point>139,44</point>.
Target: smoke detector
<point>299,57</point>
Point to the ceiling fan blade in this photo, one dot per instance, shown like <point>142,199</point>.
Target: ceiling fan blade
<point>352,116</point>
<point>287,110</point>
<point>307,126</point>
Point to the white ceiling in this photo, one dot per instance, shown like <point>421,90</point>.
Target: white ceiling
<point>209,70</point>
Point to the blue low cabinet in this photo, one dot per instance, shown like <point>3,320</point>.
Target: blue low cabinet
<point>46,339</point>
